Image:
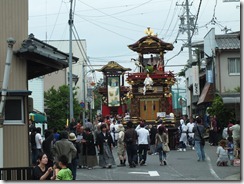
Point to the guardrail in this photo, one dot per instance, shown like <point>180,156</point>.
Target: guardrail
<point>16,173</point>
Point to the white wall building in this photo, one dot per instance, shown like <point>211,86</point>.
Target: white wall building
<point>59,78</point>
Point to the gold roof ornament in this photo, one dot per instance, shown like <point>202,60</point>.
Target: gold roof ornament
<point>149,32</point>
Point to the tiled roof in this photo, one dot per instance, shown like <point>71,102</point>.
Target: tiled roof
<point>228,41</point>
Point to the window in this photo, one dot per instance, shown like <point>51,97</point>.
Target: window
<point>14,113</point>
<point>234,66</point>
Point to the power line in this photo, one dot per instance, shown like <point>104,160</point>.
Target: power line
<point>174,14</point>
<point>106,29</point>
<point>194,27</point>
<point>112,15</point>
<point>55,23</point>
<point>166,17</point>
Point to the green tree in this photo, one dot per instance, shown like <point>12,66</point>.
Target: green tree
<point>222,114</point>
<point>56,103</point>
<point>97,97</point>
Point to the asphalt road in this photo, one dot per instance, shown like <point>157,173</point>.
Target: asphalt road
<point>182,166</point>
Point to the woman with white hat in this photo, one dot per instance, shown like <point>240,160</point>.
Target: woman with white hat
<point>74,162</point>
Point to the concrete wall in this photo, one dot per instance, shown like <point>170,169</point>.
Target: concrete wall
<point>60,78</point>
<point>36,86</point>
<point>224,81</point>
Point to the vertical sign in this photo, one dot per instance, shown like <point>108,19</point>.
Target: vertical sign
<point>209,76</point>
<point>113,86</point>
<point>195,80</point>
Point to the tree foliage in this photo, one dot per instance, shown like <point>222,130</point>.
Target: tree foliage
<point>97,97</point>
<point>56,103</point>
<point>222,114</point>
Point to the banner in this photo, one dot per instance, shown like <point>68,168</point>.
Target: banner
<point>113,87</point>
<point>209,76</point>
<point>195,80</point>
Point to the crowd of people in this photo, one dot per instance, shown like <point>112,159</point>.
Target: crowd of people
<point>61,153</point>
<point>192,132</point>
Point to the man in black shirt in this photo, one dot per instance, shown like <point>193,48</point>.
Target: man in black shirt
<point>131,146</point>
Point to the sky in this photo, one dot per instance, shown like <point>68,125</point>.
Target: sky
<point>109,26</point>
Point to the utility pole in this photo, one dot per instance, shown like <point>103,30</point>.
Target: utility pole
<point>71,108</point>
<point>189,28</point>
<point>84,92</point>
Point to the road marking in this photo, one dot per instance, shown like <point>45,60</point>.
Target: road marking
<point>211,167</point>
<point>151,173</point>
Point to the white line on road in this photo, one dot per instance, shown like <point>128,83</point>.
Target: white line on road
<point>151,173</point>
<point>211,167</point>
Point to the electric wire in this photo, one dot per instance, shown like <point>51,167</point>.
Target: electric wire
<point>195,24</point>
<point>166,17</point>
<point>174,14</point>
<point>106,28</point>
<point>181,49</point>
<point>112,16</point>
<point>81,48</point>
<point>55,22</point>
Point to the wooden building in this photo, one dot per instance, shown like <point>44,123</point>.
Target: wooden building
<point>32,58</point>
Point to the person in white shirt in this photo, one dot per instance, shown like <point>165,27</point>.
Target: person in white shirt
<point>222,154</point>
<point>183,136</point>
<point>190,126</point>
<point>148,82</point>
<point>236,135</point>
<point>114,132</point>
<point>38,140</point>
<point>143,143</point>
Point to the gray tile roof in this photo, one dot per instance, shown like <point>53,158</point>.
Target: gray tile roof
<point>228,41</point>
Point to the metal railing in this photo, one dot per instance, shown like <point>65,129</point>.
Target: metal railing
<point>16,173</point>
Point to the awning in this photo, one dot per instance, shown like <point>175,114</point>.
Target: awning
<point>207,94</point>
<point>38,118</point>
<point>231,100</point>
<point>42,58</point>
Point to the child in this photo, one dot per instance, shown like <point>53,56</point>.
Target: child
<point>64,173</point>
<point>56,169</point>
<point>222,153</point>
<point>230,150</point>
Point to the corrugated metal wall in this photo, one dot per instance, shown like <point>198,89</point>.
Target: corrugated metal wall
<point>16,148</point>
<point>14,23</point>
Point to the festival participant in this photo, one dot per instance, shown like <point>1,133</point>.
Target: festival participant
<point>74,162</point>
<point>143,142</point>
<point>190,134</point>
<point>104,146</point>
<point>121,145</point>
<point>199,131</point>
<point>90,149</point>
<point>64,173</point>
<point>236,136</point>
<point>222,153</point>
<point>148,82</point>
<point>213,132</point>
<point>161,139</point>
<point>41,171</point>
<point>183,135</point>
<point>130,140</point>
<point>64,147</point>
